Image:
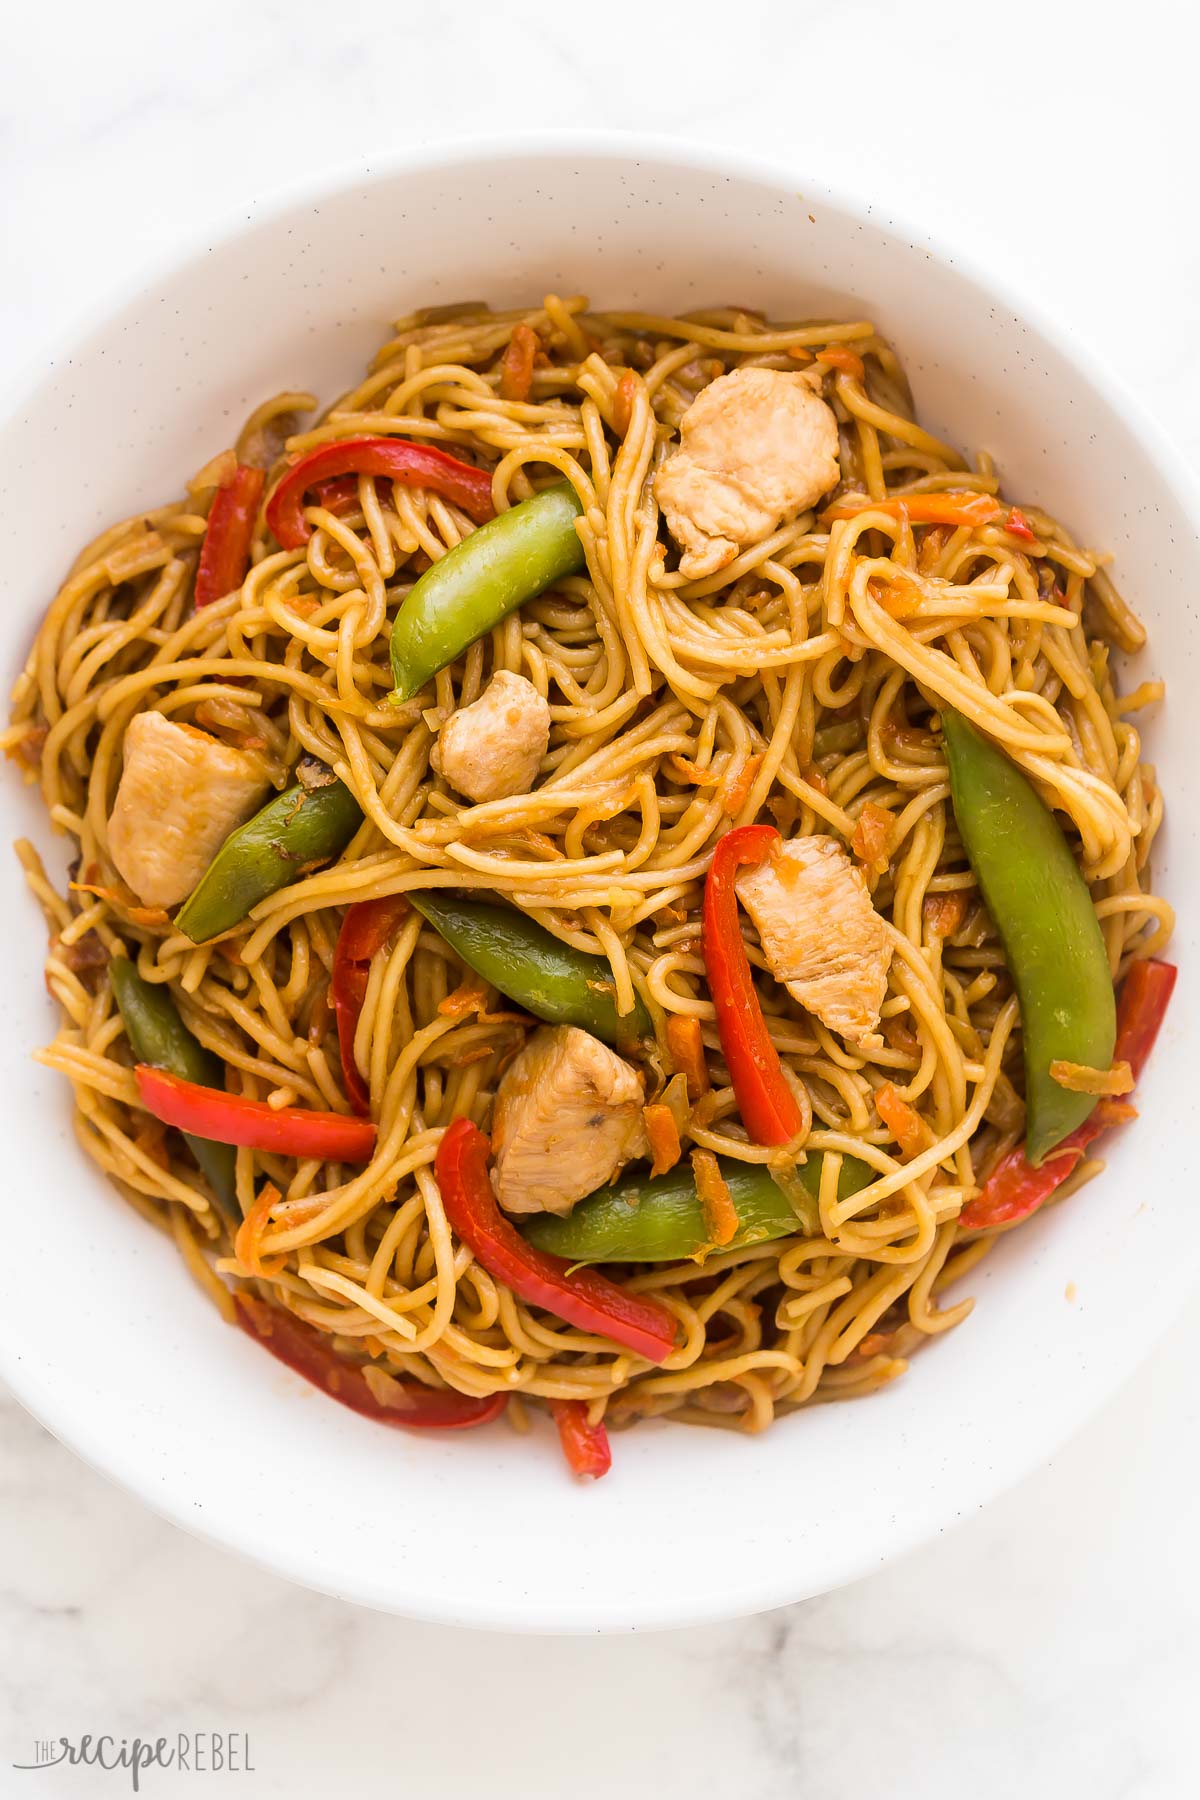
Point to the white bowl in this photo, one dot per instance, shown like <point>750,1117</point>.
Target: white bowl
<point>103,1334</point>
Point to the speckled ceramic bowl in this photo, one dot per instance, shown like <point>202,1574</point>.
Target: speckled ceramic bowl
<point>103,1334</point>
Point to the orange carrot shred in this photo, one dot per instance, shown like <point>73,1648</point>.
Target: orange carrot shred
<point>662,1134</point>
<point>247,1245</point>
<point>516,365</point>
<point>944,913</point>
<point>844,360</point>
<point>686,1047</point>
<point>720,1214</point>
<point>899,597</point>
<point>871,836</point>
<point>734,793</point>
<point>682,769</point>
<point>623,399</point>
<point>904,1122</point>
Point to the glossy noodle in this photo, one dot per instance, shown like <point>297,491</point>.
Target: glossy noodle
<point>799,685</point>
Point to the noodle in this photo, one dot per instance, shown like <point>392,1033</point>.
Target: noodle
<point>801,683</point>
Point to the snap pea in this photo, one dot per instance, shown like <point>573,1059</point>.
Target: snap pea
<point>511,559</point>
<point>637,1219</point>
<point>268,852</point>
<point>1042,909</point>
<point>548,978</point>
<point>158,1036</point>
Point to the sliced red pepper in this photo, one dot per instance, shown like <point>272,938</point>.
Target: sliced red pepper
<point>584,1446</point>
<point>579,1296</point>
<point>768,1107</point>
<point>233,1119</point>
<point>225,552</point>
<point>409,1403</point>
<point>1018,526</point>
<point>1015,1189</point>
<point>922,509</point>
<point>366,928</point>
<point>1145,994</point>
<point>395,459</point>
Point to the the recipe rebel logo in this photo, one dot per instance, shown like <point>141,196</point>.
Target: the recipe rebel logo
<point>192,1753</point>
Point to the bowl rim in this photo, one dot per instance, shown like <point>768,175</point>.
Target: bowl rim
<point>74,339</point>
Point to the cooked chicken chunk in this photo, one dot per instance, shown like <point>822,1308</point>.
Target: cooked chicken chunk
<point>568,1113</point>
<point>755,447</point>
<point>494,747</point>
<point>182,792</point>
<point>820,933</point>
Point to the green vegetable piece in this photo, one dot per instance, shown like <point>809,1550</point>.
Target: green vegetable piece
<point>637,1219</point>
<point>548,978</point>
<point>1043,911</point>
<point>268,852</point>
<point>158,1036</point>
<point>511,559</point>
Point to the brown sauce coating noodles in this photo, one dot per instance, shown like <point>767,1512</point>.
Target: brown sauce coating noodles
<point>790,688</point>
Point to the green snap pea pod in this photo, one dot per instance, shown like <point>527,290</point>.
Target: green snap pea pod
<point>513,558</point>
<point>266,853</point>
<point>548,978</point>
<point>158,1036</point>
<point>1041,907</point>
<point>637,1219</point>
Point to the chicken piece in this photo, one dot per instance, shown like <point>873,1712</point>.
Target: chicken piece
<point>568,1113</point>
<point>820,933</point>
<point>755,446</point>
<point>495,746</point>
<point>182,792</point>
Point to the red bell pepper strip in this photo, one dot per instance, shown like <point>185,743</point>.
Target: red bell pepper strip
<point>366,928</point>
<point>225,552</point>
<point>1015,1189</point>
<point>234,1119</point>
<point>768,1107</point>
<point>409,1403</point>
<point>416,465</point>
<point>584,1446</point>
<point>579,1296</point>
<point>1018,526</point>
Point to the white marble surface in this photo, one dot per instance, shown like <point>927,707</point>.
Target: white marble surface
<point>1049,1646</point>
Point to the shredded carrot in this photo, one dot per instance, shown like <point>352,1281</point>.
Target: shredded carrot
<point>469,998</point>
<point>623,399</point>
<point>516,365</point>
<point>686,1047</point>
<point>899,597</point>
<point>662,1134</point>
<point>1077,1078</point>
<point>944,913</point>
<point>922,509</point>
<point>903,1121</point>
<point>477,1053</point>
<point>247,1245</point>
<point>844,360</point>
<point>872,834</point>
<point>735,793</point>
<point>682,769</point>
<point>799,353</point>
<point>874,1344</point>
<point>137,915</point>
<point>814,778</point>
<point>720,1214</point>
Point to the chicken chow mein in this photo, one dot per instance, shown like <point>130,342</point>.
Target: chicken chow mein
<point>607,870</point>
